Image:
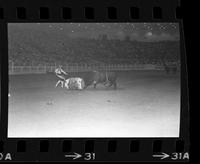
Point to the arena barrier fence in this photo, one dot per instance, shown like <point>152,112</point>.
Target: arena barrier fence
<point>80,68</point>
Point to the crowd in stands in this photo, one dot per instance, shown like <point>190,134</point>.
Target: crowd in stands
<point>93,51</point>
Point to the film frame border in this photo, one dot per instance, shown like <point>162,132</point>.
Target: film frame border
<point>30,12</point>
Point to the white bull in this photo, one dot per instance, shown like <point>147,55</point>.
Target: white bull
<point>75,83</point>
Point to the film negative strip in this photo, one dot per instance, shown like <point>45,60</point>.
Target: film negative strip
<point>98,81</point>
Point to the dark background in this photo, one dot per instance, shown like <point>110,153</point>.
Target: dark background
<point>146,146</point>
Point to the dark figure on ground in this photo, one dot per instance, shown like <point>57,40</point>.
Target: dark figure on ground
<point>106,78</point>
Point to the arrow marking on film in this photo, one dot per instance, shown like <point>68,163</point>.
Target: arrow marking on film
<point>161,156</point>
<point>74,156</point>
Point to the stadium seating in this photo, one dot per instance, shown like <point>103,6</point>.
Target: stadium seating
<point>91,51</point>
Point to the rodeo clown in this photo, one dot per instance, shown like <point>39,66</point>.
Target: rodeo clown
<point>60,73</point>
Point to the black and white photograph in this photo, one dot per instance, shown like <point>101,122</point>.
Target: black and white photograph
<point>93,80</point>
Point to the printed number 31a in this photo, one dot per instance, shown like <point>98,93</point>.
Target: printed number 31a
<point>178,156</point>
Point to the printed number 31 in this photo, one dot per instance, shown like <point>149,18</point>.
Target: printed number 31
<point>89,156</point>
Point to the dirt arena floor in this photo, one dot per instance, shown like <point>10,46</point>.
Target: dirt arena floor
<point>146,104</point>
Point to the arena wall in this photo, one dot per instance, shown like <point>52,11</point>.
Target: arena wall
<point>80,68</point>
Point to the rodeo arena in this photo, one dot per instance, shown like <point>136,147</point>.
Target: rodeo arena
<point>94,88</point>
